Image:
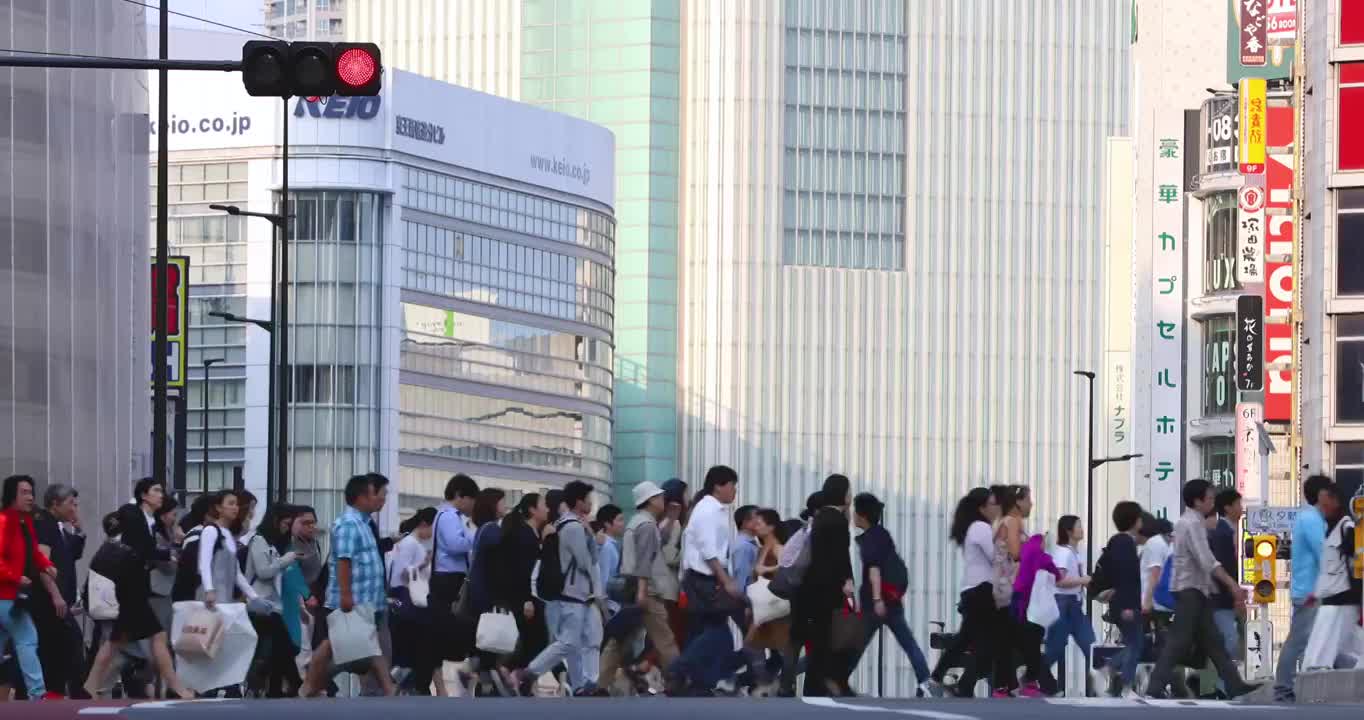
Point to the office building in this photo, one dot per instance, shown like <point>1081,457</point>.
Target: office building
<point>319,20</point>
<point>74,272</point>
<point>453,286</point>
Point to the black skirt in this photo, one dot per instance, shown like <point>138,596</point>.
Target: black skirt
<point>136,619</point>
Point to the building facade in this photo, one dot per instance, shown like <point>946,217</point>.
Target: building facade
<point>74,332</point>
<point>452,287</point>
<point>318,20</point>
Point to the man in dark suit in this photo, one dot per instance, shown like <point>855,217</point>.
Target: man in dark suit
<point>60,643</point>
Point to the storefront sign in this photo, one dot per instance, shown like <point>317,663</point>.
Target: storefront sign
<point>1166,432</point>
<point>1250,233</point>
<point>1248,418</point>
<point>1220,117</point>
<point>1250,343</point>
<point>1279,277</point>
<point>1253,108</point>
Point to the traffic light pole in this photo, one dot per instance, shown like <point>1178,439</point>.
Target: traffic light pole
<point>162,271</point>
<point>282,325</point>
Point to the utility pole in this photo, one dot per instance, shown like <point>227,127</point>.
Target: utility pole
<point>159,281</point>
<point>203,471</point>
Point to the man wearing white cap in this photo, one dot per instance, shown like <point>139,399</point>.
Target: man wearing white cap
<point>644,570</point>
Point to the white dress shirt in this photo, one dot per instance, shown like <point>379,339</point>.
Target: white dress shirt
<point>708,536</point>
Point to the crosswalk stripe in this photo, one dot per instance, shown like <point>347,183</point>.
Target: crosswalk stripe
<point>1142,702</point>
<point>927,714</point>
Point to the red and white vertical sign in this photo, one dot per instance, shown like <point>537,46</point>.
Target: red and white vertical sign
<point>1281,22</point>
<point>1248,419</point>
<point>1279,278</point>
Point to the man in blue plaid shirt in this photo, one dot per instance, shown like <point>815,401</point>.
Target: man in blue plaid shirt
<point>357,576</point>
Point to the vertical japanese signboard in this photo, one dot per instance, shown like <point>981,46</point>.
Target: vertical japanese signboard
<point>177,319</point>
<point>1254,120</point>
<point>1221,120</point>
<point>1279,279</point>
<point>1250,234</point>
<point>1260,35</point>
<point>1248,419</point>
<point>1250,343</point>
<point>1167,306</point>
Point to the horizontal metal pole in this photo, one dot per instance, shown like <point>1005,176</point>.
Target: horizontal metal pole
<point>93,63</point>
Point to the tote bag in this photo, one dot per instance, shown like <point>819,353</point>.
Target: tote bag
<point>766,605</point>
<point>418,587</point>
<point>103,598</point>
<point>201,635</point>
<point>496,633</point>
<point>1042,609</point>
<point>353,635</point>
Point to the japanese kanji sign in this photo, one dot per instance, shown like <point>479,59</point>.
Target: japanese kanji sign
<point>1254,113</point>
<point>1165,433</point>
<point>1250,233</point>
<point>1254,33</point>
<point>1250,343</point>
<point>1281,22</point>
<point>1259,41</point>
<point>1220,117</point>
<point>1248,419</point>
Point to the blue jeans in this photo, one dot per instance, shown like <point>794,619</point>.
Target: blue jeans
<point>1293,648</point>
<point>895,620</point>
<point>1226,626</point>
<point>19,628</point>
<point>1133,645</point>
<point>1073,623</point>
<point>708,624</point>
<point>575,633</point>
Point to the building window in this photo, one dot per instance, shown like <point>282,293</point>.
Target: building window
<point>1351,22</point>
<point>1349,469</point>
<point>1219,253</point>
<point>1351,116</point>
<point>1219,388</point>
<point>1350,368</point>
<point>1219,461</point>
<point>1350,242</point>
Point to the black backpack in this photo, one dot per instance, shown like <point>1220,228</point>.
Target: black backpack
<point>1099,581</point>
<point>549,584</point>
<point>187,580</point>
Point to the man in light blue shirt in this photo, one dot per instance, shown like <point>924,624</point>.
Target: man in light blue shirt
<point>612,521</point>
<point>1309,533</point>
<point>450,545</point>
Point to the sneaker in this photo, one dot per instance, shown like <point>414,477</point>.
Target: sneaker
<point>1001,695</point>
<point>1246,689</point>
<point>1130,694</point>
<point>931,689</point>
<point>1031,690</point>
<point>727,687</point>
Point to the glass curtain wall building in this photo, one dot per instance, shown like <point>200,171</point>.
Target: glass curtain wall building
<point>74,265</point>
<point>451,290</point>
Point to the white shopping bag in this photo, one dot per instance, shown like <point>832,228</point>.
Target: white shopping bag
<point>766,606</point>
<point>418,586</point>
<point>353,635</point>
<point>1042,609</point>
<point>497,633</point>
<point>236,647</point>
<point>102,598</point>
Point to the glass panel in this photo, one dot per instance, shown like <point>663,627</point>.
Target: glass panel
<point>1219,389</point>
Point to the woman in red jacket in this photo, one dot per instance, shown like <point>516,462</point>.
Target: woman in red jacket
<point>21,564</point>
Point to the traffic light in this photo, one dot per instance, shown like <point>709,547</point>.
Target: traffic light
<point>1266,553</point>
<point>273,68</point>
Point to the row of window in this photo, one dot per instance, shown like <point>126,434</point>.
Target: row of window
<point>846,130</point>
<point>334,385</point>
<point>424,324</point>
<point>454,359</point>
<point>336,217</point>
<point>846,16</point>
<point>509,209</point>
<point>857,214</point>
<point>856,251</point>
<point>821,170</point>
<point>845,89</point>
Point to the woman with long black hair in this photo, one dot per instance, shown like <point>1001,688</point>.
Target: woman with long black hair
<point>826,591</point>
<point>520,549</point>
<point>972,532</point>
<point>268,557</point>
<point>485,563</point>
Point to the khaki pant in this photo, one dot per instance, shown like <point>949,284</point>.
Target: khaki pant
<point>655,624</point>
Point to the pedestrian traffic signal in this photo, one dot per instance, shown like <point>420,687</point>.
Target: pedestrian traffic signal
<point>1357,506</point>
<point>273,68</point>
<point>1266,553</point>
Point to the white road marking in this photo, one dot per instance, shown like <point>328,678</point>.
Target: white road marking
<point>929,714</point>
<point>1175,704</point>
<point>151,705</point>
<point>100,711</point>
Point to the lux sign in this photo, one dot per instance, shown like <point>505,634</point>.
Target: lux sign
<point>339,106</point>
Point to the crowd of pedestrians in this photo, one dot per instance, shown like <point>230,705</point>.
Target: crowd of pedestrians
<point>680,594</point>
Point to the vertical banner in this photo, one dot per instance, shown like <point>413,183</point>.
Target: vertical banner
<point>1258,40</point>
<point>1250,233</point>
<point>1118,478</point>
<point>1281,22</point>
<point>1248,419</point>
<point>1253,110</point>
<point>1279,278</point>
<point>1250,343</point>
<point>1167,306</point>
<point>177,320</point>
<point>1221,120</point>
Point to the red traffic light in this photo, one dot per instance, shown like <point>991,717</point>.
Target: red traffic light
<point>359,70</point>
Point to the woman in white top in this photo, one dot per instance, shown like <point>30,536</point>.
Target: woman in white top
<point>218,568</point>
<point>1073,622</point>
<point>971,531</point>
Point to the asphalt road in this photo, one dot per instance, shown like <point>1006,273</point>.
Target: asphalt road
<point>410,708</point>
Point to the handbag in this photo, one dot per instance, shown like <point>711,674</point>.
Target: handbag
<point>201,634</point>
<point>418,587</point>
<point>847,630</point>
<point>786,583</point>
<point>353,635</point>
<point>1042,608</point>
<point>766,605</point>
<point>497,633</point>
<point>101,597</point>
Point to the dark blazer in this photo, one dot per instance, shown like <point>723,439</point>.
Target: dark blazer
<point>66,549</point>
<point>138,536</point>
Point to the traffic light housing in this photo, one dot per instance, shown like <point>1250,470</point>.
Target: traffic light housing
<point>1357,507</point>
<point>273,68</point>
<point>1265,552</point>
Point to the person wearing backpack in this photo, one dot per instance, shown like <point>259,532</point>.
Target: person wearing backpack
<point>1122,575</point>
<point>570,582</point>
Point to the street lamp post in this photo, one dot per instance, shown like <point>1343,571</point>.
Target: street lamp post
<point>1094,464</point>
<point>276,474</point>
<point>269,327</point>
<point>203,471</point>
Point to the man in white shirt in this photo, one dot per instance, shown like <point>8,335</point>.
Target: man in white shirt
<point>711,593</point>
